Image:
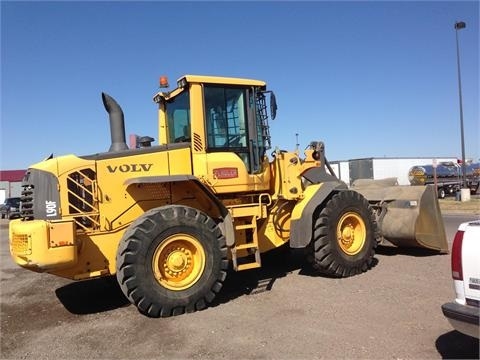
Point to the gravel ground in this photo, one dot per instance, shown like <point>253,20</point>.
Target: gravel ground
<point>280,311</point>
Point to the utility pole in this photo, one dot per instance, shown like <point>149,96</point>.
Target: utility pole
<point>458,26</point>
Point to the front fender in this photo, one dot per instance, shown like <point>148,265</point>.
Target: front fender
<point>301,224</point>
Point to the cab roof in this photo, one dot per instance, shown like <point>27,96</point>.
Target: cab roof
<point>220,80</point>
<point>205,79</point>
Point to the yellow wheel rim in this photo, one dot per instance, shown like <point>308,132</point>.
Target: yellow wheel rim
<point>178,262</point>
<point>351,233</point>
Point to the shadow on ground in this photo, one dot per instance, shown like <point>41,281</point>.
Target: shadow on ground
<point>455,345</point>
<point>92,296</point>
<point>388,250</point>
<point>276,264</point>
<point>104,294</point>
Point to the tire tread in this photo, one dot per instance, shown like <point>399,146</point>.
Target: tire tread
<point>327,258</point>
<point>129,251</point>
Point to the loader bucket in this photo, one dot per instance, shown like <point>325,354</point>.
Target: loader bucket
<point>407,216</point>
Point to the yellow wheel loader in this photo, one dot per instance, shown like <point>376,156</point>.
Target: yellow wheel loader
<point>169,220</point>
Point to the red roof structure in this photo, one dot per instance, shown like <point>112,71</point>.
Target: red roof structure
<point>12,175</point>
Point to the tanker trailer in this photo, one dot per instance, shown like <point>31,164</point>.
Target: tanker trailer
<point>448,177</point>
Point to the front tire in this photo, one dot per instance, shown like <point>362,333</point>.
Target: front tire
<point>172,260</point>
<point>344,236</point>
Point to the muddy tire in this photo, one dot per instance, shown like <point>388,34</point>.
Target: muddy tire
<point>344,236</point>
<point>172,260</point>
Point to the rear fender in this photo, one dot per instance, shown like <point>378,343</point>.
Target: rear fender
<point>216,211</point>
<point>301,224</point>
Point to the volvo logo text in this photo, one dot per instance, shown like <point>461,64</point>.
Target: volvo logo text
<point>125,168</point>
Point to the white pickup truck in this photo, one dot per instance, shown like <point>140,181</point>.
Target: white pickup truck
<point>463,313</point>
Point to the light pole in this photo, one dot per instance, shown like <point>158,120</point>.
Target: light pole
<point>458,26</point>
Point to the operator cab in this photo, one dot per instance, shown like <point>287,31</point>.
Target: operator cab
<point>226,122</point>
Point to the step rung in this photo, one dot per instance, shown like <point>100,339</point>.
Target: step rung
<point>246,246</point>
<point>246,226</point>
<point>248,266</point>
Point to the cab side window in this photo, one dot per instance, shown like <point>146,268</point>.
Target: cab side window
<point>178,118</point>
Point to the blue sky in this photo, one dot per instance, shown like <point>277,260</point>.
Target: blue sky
<point>370,79</point>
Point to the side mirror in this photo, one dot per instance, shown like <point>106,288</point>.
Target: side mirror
<point>273,105</point>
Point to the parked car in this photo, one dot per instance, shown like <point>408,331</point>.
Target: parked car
<point>463,312</point>
<point>10,209</point>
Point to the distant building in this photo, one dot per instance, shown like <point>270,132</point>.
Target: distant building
<point>10,183</point>
<point>380,168</point>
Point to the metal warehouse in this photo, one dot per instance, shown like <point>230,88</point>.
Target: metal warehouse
<point>10,183</point>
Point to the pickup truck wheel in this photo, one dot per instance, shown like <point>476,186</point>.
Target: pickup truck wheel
<point>344,236</point>
<point>172,260</point>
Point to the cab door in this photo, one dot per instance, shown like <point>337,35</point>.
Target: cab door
<point>235,149</point>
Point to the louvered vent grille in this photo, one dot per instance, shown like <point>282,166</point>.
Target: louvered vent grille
<point>197,142</point>
<point>82,199</point>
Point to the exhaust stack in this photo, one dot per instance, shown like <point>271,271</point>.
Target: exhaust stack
<point>117,123</point>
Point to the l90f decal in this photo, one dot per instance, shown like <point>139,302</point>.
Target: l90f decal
<point>51,208</point>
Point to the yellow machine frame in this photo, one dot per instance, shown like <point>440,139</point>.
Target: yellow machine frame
<point>205,206</point>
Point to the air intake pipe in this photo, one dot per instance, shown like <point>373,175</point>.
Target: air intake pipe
<point>117,123</point>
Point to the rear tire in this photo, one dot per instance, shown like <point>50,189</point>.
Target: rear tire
<point>172,260</point>
<point>344,236</point>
